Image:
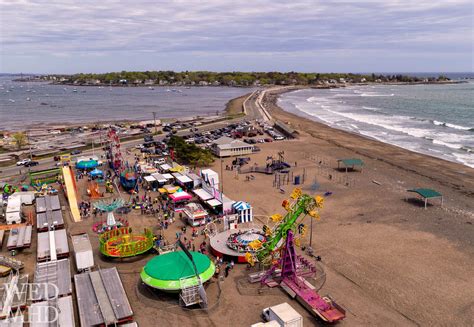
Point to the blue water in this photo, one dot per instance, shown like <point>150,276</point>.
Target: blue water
<point>24,104</point>
<point>437,120</point>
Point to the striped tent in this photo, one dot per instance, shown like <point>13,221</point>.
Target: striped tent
<point>244,211</point>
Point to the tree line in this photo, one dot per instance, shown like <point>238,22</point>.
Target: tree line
<point>229,78</point>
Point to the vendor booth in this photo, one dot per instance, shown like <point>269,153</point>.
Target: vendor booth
<point>160,179</point>
<point>202,194</point>
<point>179,200</point>
<point>244,211</point>
<point>195,214</point>
<point>215,205</point>
<point>164,168</point>
<point>147,169</point>
<point>169,178</point>
<point>185,182</point>
<point>197,181</point>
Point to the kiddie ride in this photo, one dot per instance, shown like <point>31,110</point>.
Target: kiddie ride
<point>122,243</point>
<point>287,269</point>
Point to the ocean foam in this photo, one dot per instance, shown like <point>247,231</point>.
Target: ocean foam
<point>458,127</point>
<point>376,95</point>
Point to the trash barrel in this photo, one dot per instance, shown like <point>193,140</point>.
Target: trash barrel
<point>297,180</point>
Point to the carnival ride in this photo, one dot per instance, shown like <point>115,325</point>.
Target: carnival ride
<point>71,192</point>
<point>45,176</point>
<point>111,222</point>
<point>265,252</point>
<point>114,155</point>
<point>93,191</point>
<point>122,243</point>
<point>128,180</point>
<point>180,271</point>
<point>287,269</point>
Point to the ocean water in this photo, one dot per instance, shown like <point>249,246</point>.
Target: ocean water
<point>437,120</point>
<point>24,104</point>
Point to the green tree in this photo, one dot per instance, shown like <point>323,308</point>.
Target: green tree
<point>19,139</point>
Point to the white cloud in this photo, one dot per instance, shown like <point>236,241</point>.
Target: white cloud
<point>92,28</point>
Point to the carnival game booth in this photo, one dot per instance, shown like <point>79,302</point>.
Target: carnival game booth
<point>244,211</point>
<point>185,182</point>
<point>215,205</point>
<point>169,178</point>
<point>197,181</point>
<point>160,179</point>
<point>164,168</point>
<point>195,214</point>
<point>151,181</point>
<point>179,200</point>
<point>147,169</point>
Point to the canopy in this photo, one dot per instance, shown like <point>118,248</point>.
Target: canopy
<point>241,205</point>
<point>149,179</point>
<point>87,164</point>
<point>203,195</point>
<point>96,172</point>
<point>214,203</point>
<point>160,178</point>
<point>165,167</point>
<point>177,169</point>
<point>184,179</point>
<point>168,176</point>
<point>147,169</point>
<point>426,193</point>
<point>171,188</point>
<point>180,196</point>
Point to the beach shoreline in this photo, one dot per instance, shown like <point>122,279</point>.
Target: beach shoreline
<point>456,175</point>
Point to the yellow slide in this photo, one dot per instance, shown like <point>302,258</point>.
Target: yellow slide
<point>70,186</point>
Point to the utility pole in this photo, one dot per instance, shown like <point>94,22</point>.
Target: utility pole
<point>154,122</point>
<point>222,177</point>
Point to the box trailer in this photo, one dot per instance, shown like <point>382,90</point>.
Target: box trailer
<point>284,314</point>
<point>82,252</point>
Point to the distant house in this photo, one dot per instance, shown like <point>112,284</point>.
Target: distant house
<point>228,147</point>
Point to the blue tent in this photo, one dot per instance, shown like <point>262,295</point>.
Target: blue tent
<point>96,172</point>
<point>87,164</point>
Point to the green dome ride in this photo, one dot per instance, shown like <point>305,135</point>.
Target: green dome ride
<point>165,272</point>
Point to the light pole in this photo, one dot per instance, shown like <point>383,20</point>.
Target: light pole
<point>154,122</point>
<point>222,177</point>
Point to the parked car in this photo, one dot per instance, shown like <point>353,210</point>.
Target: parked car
<point>31,163</point>
<point>23,162</point>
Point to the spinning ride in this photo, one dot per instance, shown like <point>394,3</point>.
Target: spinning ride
<point>122,243</point>
<point>111,222</point>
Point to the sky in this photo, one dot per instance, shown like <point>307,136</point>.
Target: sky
<point>64,36</point>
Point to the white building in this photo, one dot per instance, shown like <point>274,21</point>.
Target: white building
<point>228,147</point>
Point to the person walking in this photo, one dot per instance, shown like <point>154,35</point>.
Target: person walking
<point>227,268</point>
